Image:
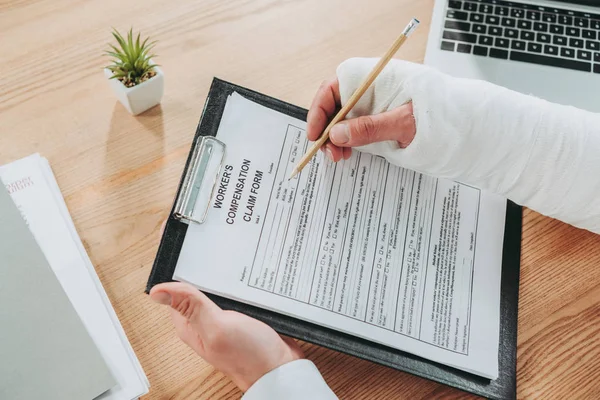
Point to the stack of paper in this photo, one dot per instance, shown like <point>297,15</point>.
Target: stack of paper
<point>360,246</point>
<point>34,190</point>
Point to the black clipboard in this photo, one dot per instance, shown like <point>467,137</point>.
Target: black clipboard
<point>504,387</point>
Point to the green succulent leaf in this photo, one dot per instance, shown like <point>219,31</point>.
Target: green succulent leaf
<point>131,58</point>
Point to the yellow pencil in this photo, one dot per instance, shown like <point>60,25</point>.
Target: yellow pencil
<point>412,25</point>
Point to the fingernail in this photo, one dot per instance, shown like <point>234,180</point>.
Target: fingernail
<point>329,154</point>
<point>163,298</point>
<point>339,133</point>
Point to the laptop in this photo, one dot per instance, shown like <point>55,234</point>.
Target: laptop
<point>549,49</point>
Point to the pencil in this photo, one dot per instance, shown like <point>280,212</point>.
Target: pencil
<point>412,25</point>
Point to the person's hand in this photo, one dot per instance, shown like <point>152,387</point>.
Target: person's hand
<point>239,346</point>
<point>397,124</point>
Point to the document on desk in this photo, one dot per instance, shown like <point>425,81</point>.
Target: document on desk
<point>34,190</point>
<point>360,246</point>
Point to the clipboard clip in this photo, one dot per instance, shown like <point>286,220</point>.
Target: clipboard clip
<point>200,180</point>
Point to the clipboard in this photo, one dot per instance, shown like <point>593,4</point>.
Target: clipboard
<point>196,189</point>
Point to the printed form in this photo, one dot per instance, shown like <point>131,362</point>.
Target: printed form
<point>360,246</point>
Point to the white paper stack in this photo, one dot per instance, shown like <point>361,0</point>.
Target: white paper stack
<point>33,188</point>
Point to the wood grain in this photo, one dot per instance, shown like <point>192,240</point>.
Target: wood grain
<point>119,173</point>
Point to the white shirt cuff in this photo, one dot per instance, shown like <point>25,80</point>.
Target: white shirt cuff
<point>296,380</point>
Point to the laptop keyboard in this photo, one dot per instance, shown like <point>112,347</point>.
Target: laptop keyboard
<point>523,32</point>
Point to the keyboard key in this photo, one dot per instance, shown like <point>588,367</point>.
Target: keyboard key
<point>597,57</point>
<point>469,6</point>
<point>511,33</point>
<point>574,32</point>
<point>495,30</point>
<point>501,42</point>
<point>480,51</point>
<point>560,40</point>
<point>485,8</point>
<point>497,53</point>
<point>595,24</point>
<point>511,23</point>
<point>463,48</point>
<point>517,45</point>
<point>565,20</point>
<point>458,26</point>
<point>449,46</point>
<point>584,55</point>
<point>522,24</point>
<point>587,34</point>
<point>534,47</point>
<point>557,29</point>
<point>516,12</point>
<point>582,22</point>
<point>543,38</point>
<point>567,52</point>
<point>550,61</point>
<point>551,50</point>
<point>597,68</point>
<point>476,17</point>
<point>527,35</point>
<point>486,40</point>
<point>460,15</point>
<point>492,20</point>
<point>540,27</point>
<point>460,36</point>
<point>533,15</point>
<point>477,28</point>
<point>576,43</point>
<point>549,18</point>
<point>455,4</point>
<point>592,45</point>
<point>501,10</point>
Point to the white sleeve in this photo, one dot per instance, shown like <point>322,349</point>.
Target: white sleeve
<point>296,380</point>
<point>541,155</point>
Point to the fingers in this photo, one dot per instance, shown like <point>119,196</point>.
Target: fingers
<point>347,152</point>
<point>335,153</point>
<point>188,301</point>
<point>397,124</point>
<point>322,109</point>
<point>294,346</point>
<point>187,332</point>
<point>332,152</point>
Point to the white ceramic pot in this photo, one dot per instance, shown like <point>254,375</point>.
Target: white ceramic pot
<point>139,98</point>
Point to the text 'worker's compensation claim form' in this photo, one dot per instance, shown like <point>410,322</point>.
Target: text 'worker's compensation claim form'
<point>361,246</point>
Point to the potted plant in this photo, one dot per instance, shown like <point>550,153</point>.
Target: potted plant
<point>135,79</point>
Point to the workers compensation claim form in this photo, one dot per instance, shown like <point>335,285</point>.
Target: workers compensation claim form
<point>360,246</point>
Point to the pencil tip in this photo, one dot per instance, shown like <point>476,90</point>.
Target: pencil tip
<point>293,174</point>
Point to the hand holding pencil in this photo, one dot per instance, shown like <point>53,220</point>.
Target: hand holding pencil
<point>323,107</point>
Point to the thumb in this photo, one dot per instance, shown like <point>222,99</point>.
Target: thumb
<point>188,301</point>
<point>397,124</point>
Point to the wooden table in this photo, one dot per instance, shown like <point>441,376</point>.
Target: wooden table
<point>119,173</point>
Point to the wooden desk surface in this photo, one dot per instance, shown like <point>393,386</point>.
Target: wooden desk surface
<point>119,173</point>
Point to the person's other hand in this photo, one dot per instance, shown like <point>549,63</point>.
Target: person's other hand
<point>239,346</point>
<point>397,124</point>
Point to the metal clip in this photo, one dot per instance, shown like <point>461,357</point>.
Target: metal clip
<point>200,180</point>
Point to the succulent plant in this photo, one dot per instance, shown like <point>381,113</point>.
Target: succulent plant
<point>131,61</point>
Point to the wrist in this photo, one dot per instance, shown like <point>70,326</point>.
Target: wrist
<point>245,376</point>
